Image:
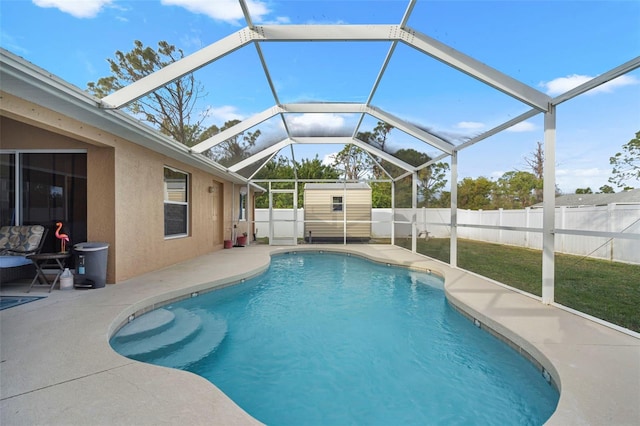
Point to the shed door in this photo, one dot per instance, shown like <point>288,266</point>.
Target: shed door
<point>283,217</point>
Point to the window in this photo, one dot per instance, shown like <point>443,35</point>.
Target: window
<point>176,203</point>
<point>336,204</point>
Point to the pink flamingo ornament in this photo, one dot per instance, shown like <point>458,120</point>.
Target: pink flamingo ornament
<point>64,238</point>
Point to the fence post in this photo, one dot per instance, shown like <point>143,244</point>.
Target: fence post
<point>527,221</point>
<point>500,212</point>
<point>611,211</point>
<point>563,225</point>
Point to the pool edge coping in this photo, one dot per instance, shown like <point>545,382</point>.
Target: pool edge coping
<point>530,351</point>
<point>116,301</point>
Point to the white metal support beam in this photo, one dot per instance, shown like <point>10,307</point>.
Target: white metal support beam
<point>273,149</point>
<point>549,207</point>
<point>476,69</point>
<point>412,130</point>
<point>414,211</point>
<point>385,156</point>
<point>432,161</point>
<point>236,130</point>
<point>377,163</point>
<point>419,41</point>
<point>599,80</point>
<point>245,12</point>
<point>178,69</point>
<point>345,140</point>
<point>345,108</point>
<point>393,212</point>
<point>392,48</point>
<point>262,165</point>
<point>324,107</point>
<point>522,117</point>
<point>326,32</point>
<point>453,242</point>
<point>339,140</point>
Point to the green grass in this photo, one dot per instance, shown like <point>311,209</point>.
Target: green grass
<point>603,289</point>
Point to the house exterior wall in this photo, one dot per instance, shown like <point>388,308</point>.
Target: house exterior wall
<point>324,222</point>
<point>125,192</point>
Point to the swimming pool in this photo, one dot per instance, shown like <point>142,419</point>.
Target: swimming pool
<point>333,339</point>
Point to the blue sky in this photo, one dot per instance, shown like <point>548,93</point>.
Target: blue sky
<point>549,45</point>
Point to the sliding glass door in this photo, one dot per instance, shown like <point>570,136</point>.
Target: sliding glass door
<point>44,188</point>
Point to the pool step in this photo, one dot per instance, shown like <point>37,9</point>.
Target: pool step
<point>207,340</point>
<point>183,328</point>
<point>151,323</point>
<point>171,338</point>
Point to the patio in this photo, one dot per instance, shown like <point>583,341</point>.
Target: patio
<point>57,366</point>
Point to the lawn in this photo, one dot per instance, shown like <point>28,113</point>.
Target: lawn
<point>603,289</point>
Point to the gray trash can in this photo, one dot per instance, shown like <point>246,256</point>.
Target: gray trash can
<point>91,264</point>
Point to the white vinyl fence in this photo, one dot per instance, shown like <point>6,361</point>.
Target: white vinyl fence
<point>434,223</point>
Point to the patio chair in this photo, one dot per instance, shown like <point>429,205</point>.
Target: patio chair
<point>16,243</point>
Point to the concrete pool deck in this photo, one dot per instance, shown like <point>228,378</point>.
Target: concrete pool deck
<point>56,365</point>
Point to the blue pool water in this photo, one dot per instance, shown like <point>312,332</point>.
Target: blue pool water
<point>327,339</point>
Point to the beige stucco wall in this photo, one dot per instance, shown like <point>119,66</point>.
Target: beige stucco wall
<point>125,193</point>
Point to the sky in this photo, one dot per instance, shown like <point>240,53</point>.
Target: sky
<point>551,46</point>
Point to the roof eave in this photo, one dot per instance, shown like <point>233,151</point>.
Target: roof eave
<point>26,81</point>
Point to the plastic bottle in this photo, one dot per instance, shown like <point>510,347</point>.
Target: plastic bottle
<point>66,280</point>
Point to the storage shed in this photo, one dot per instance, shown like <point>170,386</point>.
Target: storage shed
<point>335,210</point>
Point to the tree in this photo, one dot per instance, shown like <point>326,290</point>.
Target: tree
<point>586,190</point>
<point>282,168</point>
<point>626,164</point>
<point>606,189</point>
<point>516,189</point>
<point>236,148</point>
<point>380,133</point>
<point>353,162</point>
<point>278,168</point>
<point>380,195</point>
<point>535,161</point>
<point>431,179</point>
<point>443,200</point>
<point>315,169</point>
<point>170,108</point>
<point>475,194</point>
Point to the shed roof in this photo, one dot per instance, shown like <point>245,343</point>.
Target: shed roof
<point>347,185</point>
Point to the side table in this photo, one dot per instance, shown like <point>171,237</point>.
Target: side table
<point>41,260</point>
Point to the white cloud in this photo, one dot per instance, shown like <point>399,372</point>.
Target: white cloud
<point>330,123</point>
<point>561,85</point>
<point>77,8</point>
<point>523,126</point>
<point>469,125</point>
<point>279,20</point>
<point>568,180</point>
<point>223,114</point>
<point>223,10</point>
<point>327,160</point>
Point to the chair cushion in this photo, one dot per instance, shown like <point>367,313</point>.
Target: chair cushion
<point>13,261</point>
<point>22,238</point>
